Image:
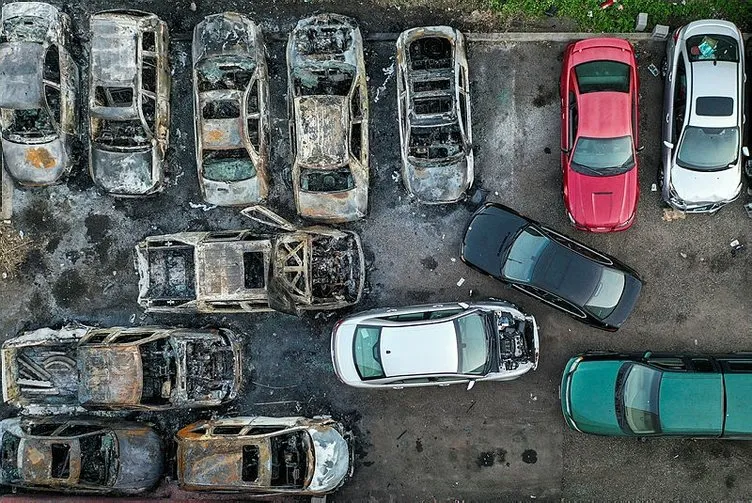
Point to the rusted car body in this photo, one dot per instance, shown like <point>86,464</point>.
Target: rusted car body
<point>38,86</point>
<point>141,368</point>
<point>79,455</point>
<point>328,110</point>
<point>6,193</point>
<point>271,455</point>
<point>293,270</point>
<point>433,102</point>
<point>231,110</point>
<point>129,102</point>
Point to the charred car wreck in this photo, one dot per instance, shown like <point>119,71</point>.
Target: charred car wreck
<point>328,110</point>
<point>433,102</point>
<point>79,455</point>
<point>284,455</point>
<point>38,86</point>
<point>147,368</point>
<point>129,100</point>
<point>239,271</point>
<point>231,109</point>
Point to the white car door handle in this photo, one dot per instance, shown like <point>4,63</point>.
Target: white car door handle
<point>668,117</point>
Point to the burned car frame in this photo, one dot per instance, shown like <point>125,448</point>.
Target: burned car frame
<point>79,455</point>
<point>433,103</point>
<point>270,455</point>
<point>38,86</point>
<point>328,109</point>
<point>129,102</point>
<point>140,368</point>
<point>292,270</point>
<point>231,110</point>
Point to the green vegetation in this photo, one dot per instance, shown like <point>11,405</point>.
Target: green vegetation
<point>621,16</point>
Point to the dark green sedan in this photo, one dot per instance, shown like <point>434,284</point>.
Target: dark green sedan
<point>652,394</point>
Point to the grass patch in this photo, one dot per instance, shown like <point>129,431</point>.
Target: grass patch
<point>612,19</point>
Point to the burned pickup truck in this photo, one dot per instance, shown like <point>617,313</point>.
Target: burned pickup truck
<point>293,270</point>
<point>146,368</point>
<point>269,455</point>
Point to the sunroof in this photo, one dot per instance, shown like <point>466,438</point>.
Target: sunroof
<point>716,106</point>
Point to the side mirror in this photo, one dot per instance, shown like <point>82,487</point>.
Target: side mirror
<point>745,151</point>
<point>668,144</point>
<point>647,355</point>
<point>565,150</point>
<point>641,148</point>
<point>463,305</point>
<point>470,385</point>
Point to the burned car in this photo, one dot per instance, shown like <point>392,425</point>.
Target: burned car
<point>142,368</point>
<point>79,455</point>
<point>6,193</point>
<point>231,110</point>
<point>38,86</point>
<point>129,102</point>
<point>433,102</point>
<point>271,455</point>
<point>292,270</point>
<point>328,110</point>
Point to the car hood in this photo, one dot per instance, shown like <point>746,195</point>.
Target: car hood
<point>438,184</point>
<point>36,164</point>
<point>706,186</point>
<point>488,236</point>
<point>602,201</point>
<point>140,459</point>
<point>332,459</point>
<point>691,403</point>
<point>592,397</point>
<point>124,173</point>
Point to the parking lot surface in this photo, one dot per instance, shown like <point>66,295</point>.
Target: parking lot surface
<point>499,441</point>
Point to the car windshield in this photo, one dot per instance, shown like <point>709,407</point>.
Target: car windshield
<point>603,156</point>
<point>607,294</point>
<point>29,123</point>
<point>228,165</point>
<point>366,349</point>
<point>98,465</point>
<point>526,249</point>
<point>637,391</point>
<point>602,76</point>
<point>472,344</point>
<point>708,149</point>
<point>712,48</point>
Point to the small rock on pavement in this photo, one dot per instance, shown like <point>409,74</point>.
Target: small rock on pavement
<point>683,255</point>
<point>193,6</point>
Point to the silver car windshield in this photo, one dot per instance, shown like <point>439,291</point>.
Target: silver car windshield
<point>708,149</point>
<point>472,344</point>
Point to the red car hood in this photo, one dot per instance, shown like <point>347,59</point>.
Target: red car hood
<point>600,203</point>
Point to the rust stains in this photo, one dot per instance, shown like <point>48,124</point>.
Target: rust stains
<point>215,136</point>
<point>40,158</point>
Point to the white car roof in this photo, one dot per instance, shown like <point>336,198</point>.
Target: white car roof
<point>419,349</point>
<point>714,79</point>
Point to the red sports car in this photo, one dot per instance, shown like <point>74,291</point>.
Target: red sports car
<point>599,122</point>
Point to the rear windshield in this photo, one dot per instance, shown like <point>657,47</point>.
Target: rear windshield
<point>337,180</point>
<point>602,76</point>
<point>712,48</point>
<point>366,349</point>
<point>228,165</point>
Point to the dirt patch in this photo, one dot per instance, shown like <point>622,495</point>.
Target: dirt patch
<point>14,247</point>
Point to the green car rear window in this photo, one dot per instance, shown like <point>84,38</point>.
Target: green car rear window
<point>366,347</point>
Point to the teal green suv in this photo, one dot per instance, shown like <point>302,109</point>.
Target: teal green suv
<point>652,394</point>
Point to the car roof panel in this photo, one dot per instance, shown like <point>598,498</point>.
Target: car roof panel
<point>419,349</point>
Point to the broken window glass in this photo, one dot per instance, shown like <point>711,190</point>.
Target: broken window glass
<point>98,464</point>
<point>52,96</point>
<point>327,180</point>
<point>430,53</point>
<point>225,72</point>
<point>60,468</point>
<point>331,81</point>
<point>432,106</point>
<point>228,429</point>
<point>149,74</point>
<point>28,123</point>
<point>129,133</point>
<point>356,139</point>
<point>422,86</point>
<point>52,65</point>
<point>250,463</point>
<point>113,96</point>
<point>323,40</point>
<point>288,457</point>
<point>437,142</point>
<point>149,109</point>
<point>149,41</point>
<point>223,109</point>
<point>227,165</point>
<point>253,269</point>
<point>9,456</point>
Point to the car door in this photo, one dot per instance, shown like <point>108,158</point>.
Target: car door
<point>552,300</point>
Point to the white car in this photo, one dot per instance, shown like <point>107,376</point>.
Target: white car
<point>703,117</point>
<point>435,345</point>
